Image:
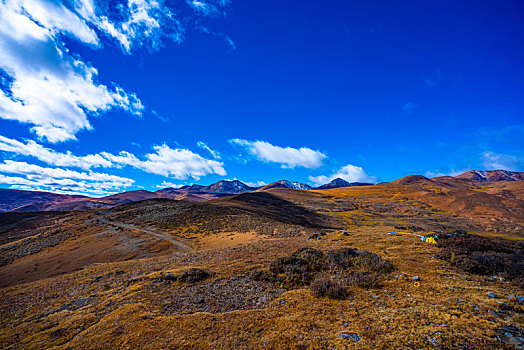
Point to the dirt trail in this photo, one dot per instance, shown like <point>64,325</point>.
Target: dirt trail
<point>181,246</point>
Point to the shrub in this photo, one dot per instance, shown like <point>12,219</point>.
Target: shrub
<point>194,275</point>
<point>344,257</point>
<point>326,287</point>
<point>483,256</point>
<point>367,280</point>
<point>368,262</point>
<point>299,268</point>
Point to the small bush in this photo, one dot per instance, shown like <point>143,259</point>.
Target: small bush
<point>344,257</point>
<point>300,267</point>
<point>194,275</point>
<point>326,287</point>
<point>367,280</point>
<point>483,256</point>
<point>371,262</point>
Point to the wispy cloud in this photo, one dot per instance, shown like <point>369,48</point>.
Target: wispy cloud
<point>220,35</point>
<point>409,107</point>
<point>350,173</point>
<point>215,154</point>
<point>437,173</point>
<point>288,157</point>
<point>497,161</point>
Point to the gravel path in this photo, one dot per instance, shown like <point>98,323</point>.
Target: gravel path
<point>181,246</point>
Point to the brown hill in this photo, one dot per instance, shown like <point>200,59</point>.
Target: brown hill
<point>21,200</point>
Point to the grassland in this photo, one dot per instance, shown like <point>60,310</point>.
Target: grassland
<point>131,302</point>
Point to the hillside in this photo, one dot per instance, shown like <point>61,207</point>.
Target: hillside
<point>226,273</point>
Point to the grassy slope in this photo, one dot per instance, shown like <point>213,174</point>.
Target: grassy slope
<point>125,305</point>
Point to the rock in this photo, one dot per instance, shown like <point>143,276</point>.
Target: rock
<point>520,299</point>
<point>415,278</point>
<point>96,279</point>
<point>516,341</point>
<point>512,298</point>
<point>348,336</point>
<point>491,295</point>
<point>493,313</point>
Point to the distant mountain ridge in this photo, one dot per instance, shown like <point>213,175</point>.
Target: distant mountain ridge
<point>338,182</point>
<point>286,184</point>
<point>21,200</point>
<point>492,175</point>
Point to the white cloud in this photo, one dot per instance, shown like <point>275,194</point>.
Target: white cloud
<point>215,154</point>
<point>179,164</point>
<point>496,161</point>
<point>350,173</point>
<point>32,176</point>
<point>176,163</point>
<point>165,184</point>
<point>288,157</point>
<point>51,157</point>
<point>51,88</point>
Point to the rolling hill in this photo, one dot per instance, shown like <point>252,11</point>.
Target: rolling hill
<point>163,273</point>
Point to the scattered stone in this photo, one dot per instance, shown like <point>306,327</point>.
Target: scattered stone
<point>433,341</point>
<point>348,336</point>
<point>493,313</point>
<point>517,341</point>
<point>491,295</point>
<point>96,279</point>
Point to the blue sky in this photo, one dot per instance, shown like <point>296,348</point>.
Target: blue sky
<point>100,97</point>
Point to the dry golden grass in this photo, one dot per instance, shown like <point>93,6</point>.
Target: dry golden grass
<point>135,304</point>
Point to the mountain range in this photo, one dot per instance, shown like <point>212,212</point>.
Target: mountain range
<point>22,200</point>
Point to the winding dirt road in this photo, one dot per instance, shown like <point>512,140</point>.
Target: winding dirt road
<point>181,246</point>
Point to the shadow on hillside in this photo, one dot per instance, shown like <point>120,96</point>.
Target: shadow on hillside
<point>278,209</point>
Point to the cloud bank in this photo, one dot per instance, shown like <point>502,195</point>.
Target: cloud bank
<point>175,163</point>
